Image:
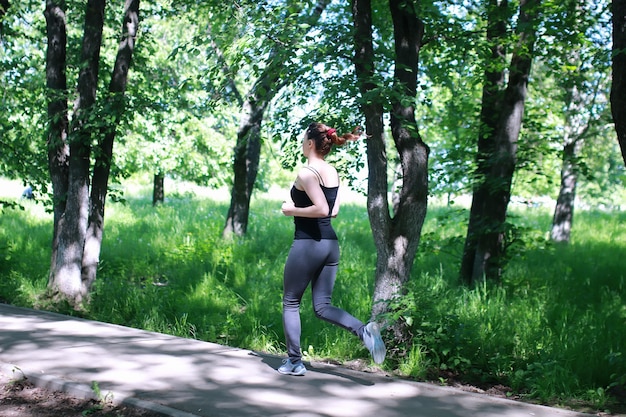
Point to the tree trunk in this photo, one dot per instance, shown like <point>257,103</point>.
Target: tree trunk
<point>579,98</point>
<point>564,209</point>
<point>377,200</point>
<point>573,142</point>
<point>394,271</point>
<point>618,87</point>
<point>79,217</point>
<point>396,238</point>
<point>245,165</point>
<point>491,99</point>
<point>66,279</point>
<point>486,230</point>
<point>56,83</point>
<point>248,148</point>
<point>158,189</point>
<point>4,6</point>
<point>115,106</point>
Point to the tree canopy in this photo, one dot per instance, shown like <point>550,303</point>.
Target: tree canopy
<point>217,93</point>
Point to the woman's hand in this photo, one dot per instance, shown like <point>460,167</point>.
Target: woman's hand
<point>288,208</point>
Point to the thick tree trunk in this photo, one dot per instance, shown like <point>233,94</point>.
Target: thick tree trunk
<point>618,87</point>
<point>491,99</point>
<point>377,200</point>
<point>65,279</point>
<point>394,269</point>
<point>79,217</point>
<point>248,148</point>
<point>486,230</point>
<point>396,238</point>
<point>56,83</point>
<point>102,166</point>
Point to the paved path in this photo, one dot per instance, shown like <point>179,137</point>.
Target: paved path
<point>184,378</point>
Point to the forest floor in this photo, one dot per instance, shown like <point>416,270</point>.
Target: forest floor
<point>20,398</point>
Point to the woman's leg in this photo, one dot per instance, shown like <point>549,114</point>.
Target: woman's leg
<point>299,269</point>
<point>322,289</point>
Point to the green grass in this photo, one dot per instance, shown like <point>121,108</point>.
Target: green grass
<point>553,331</point>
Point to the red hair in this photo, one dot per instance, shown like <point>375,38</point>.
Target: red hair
<point>325,136</point>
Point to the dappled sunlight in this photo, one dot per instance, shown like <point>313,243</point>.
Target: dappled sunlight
<point>316,406</point>
<point>393,390</point>
<point>207,379</point>
<point>274,398</point>
<point>231,374</point>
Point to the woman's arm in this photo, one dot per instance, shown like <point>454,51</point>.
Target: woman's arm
<point>310,184</point>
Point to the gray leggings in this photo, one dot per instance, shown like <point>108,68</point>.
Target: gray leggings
<point>315,262</point>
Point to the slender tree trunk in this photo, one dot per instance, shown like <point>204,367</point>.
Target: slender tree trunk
<point>248,148</point>
<point>579,98</point>
<point>618,87</point>
<point>246,165</point>
<point>56,83</point>
<point>396,238</point>
<point>486,230</point>
<point>573,142</point>
<point>102,167</point>
<point>65,280</point>
<point>158,189</point>
<point>564,209</point>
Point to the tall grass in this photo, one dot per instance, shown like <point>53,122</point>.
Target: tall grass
<point>553,330</point>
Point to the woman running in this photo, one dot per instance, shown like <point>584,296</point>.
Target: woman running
<point>314,254</point>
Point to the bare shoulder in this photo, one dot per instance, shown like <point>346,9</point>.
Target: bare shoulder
<point>305,176</point>
<point>329,175</point>
<point>324,174</point>
<point>306,173</point>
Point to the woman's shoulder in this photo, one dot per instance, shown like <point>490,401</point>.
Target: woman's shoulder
<point>329,175</point>
<point>325,174</point>
<point>308,171</point>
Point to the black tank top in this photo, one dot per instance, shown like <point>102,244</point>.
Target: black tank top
<point>317,228</point>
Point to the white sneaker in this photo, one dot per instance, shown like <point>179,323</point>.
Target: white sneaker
<point>374,343</point>
<point>289,368</point>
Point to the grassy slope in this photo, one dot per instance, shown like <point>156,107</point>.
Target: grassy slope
<point>553,330</point>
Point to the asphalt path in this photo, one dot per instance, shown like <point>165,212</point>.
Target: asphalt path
<point>181,377</point>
